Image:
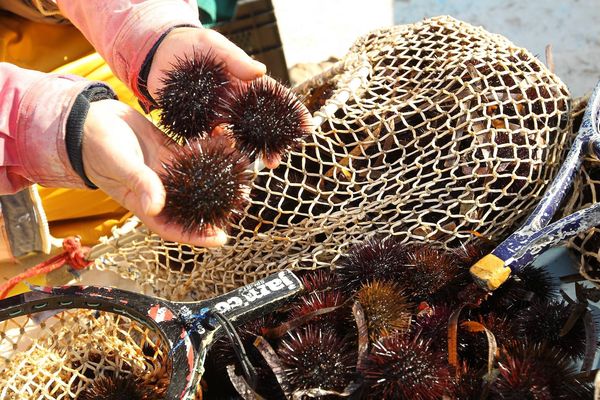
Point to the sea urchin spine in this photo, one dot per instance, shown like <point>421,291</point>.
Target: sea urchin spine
<point>121,388</point>
<point>402,368</point>
<point>316,358</point>
<point>189,93</point>
<point>386,309</point>
<point>206,184</point>
<point>264,118</point>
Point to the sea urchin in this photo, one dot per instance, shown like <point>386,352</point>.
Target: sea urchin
<point>263,117</point>
<point>316,358</point>
<point>189,93</point>
<point>403,369</point>
<point>120,388</point>
<point>206,184</point>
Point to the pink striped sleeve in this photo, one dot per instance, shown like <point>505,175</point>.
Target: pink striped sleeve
<point>124,31</point>
<point>34,108</point>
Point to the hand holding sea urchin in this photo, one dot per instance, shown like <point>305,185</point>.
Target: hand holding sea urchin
<point>207,183</point>
<point>264,118</point>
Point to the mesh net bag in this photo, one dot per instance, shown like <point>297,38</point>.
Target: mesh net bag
<point>61,356</point>
<point>425,131</point>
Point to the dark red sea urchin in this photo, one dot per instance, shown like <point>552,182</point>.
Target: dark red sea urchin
<point>315,358</point>
<point>537,372</point>
<point>120,388</point>
<point>405,369</point>
<point>542,321</point>
<point>206,183</point>
<point>318,280</point>
<point>189,93</point>
<point>263,117</point>
<point>426,271</point>
<point>380,259</point>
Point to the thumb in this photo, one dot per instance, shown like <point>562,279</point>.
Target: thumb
<point>147,193</point>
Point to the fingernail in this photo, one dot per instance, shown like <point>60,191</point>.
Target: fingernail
<point>260,66</point>
<point>147,203</point>
<point>215,239</point>
<point>221,237</point>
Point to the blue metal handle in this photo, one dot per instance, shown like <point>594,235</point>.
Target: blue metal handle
<point>534,237</point>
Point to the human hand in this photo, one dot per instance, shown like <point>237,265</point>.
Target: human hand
<point>122,153</point>
<point>184,42</point>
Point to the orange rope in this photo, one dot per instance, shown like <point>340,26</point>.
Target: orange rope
<point>74,255</point>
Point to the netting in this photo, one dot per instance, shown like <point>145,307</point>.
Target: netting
<point>59,357</point>
<point>425,131</point>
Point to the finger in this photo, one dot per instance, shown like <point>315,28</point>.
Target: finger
<point>156,146</point>
<point>273,161</point>
<point>213,237</point>
<point>238,63</point>
<point>146,192</point>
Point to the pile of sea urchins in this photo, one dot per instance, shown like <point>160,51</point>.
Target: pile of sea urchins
<point>404,321</point>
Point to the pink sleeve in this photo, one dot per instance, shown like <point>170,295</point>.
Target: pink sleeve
<point>34,108</point>
<point>124,31</point>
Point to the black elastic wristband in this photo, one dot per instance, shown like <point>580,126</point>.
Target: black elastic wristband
<point>75,122</point>
<point>145,70</point>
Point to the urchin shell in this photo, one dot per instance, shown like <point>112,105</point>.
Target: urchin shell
<point>372,259</point>
<point>190,91</point>
<point>538,372</point>
<point>316,358</point>
<point>402,368</point>
<point>427,270</point>
<point>119,388</point>
<point>387,310</point>
<point>263,117</point>
<point>206,184</point>
<point>542,322</point>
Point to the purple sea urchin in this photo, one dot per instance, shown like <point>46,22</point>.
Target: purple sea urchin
<point>316,358</point>
<point>381,259</point>
<point>319,280</point>
<point>189,93</point>
<point>405,369</point>
<point>206,184</point>
<point>528,285</point>
<point>543,321</point>
<point>264,118</point>
<point>120,388</point>
<point>427,270</point>
<point>432,325</point>
<point>537,372</point>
